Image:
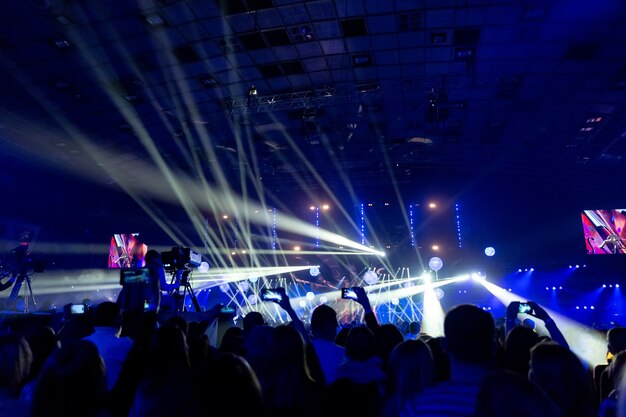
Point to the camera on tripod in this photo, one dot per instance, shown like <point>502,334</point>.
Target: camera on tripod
<point>180,258</point>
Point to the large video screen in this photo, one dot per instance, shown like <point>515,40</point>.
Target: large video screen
<point>604,231</point>
<point>126,251</point>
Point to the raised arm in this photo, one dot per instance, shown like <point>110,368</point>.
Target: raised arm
<point>368,316</point>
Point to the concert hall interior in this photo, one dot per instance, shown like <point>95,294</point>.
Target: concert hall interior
<point>433,152</point>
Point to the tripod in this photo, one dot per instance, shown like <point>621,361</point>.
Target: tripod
<point>187,289</point>
<point>22,276</point>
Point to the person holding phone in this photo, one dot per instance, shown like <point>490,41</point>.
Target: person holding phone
<point>533,309</point>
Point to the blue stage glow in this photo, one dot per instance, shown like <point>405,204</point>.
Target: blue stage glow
<point>362,224</point>
<point>411,221</point>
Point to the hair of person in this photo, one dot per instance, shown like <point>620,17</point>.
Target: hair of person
<point>387,337</point>
<point>72,382</point>
<point>107,314</point>
<point>252,319</point>
<point>152,256</point>
<point>360,344</point>
<point>415,327</point>
<point>15,361</point>
<point>559,372</point>
<point>470,334</point>
<point>505,393</point>
<point>324,322</point>
<point>517,347</point>
<point>410,368</point>
<point>616,339</point>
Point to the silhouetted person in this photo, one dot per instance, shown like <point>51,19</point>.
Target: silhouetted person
<point>360,378</point>
<point>616,343</point>
<point>505,393</point>
<point>106,337</point>
<point>410,370</point>
<point>518,343</point>
<point>289,389</point>
<point>562,376</point>
<point>324,328</point>
<point>166,384</point>
<point>72,382</point>
<point>470,343</point>
<point>15,362</point>
<point>415,327</point>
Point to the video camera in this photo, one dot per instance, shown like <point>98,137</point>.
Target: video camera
<point>179,258</point>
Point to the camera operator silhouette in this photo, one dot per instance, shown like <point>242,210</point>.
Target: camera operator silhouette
<point>135,296</point>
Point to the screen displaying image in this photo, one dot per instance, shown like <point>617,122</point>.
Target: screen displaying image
<point>126,251</point>
<point>604,231</point>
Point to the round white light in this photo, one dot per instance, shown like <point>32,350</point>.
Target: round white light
<point>310,295</point>
<point>314,271</point>
<point>253,279</point>
<point>252,299</point>
<point>435,263</point>
<point>224,287</point>
<point>370,277</point>
<point>489,251</point>
<point>203,267</point>
<point>302,303</point>
<point>395,301</point>
<point>243,286</point>
<point>439,293</point>
<point>323,299</point>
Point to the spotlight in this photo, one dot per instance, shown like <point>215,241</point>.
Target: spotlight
<point>252,299</point>
<point>577,266</point>
<point>490,251</point>
<point>296,248</point>
<point>395,301</point>
<point>439,293</point>
<point>323,299</point>
<point>224,287</point>
<point>243,286</point>
<point>554,288</point>
<point>532,269</point>
<point>314,271</point>
<point>547,288</point>
<point>312,208</point>
<point>302,303</point>
<point>603,285</point>
<point>560,288</point>
<point>519,270</point>
<point>592,307</point>
<point>435,247</point>
<point>477,276</point>
<point>577,307</point>
<point>610,285</point>
<point>432,205</point>
<point>616,285</point>
<point>252,91</point>
<point>253,279</point>
<point>310,296</point>
<point>325,207</point>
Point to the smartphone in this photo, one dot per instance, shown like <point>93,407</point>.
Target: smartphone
<point>77,308</point>
<point>270,294</point>
<point>132,276</point>
<point>349,294</point>
<point>524,308</point>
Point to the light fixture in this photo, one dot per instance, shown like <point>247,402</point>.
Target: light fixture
<point>435,263</point>
<point>314,271</point>
<point>252,91</point>
<point>490,251</point>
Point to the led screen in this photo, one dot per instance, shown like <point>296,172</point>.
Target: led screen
<point>126,251</point>
<point>604,231</point>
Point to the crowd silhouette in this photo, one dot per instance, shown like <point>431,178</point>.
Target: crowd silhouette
<point>110,362</point>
